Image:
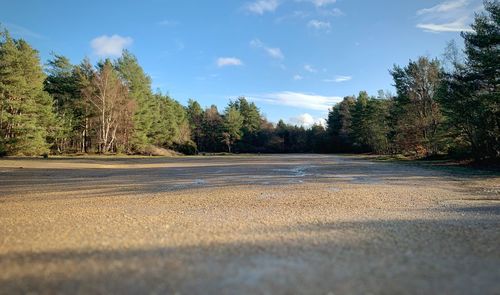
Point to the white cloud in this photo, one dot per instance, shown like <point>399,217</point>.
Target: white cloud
<point>168,23</point>
<point>333,12</point>
<point>443,7</point>
<point>449,16</point>
<point>298,100</point>
<point>110,46</point>
<point>319,25</point>
<point>307,120</point>
<point>272,52</point>
<point>460,25</point>
<point>20,31</point>
<point>228,61</point>
<point>339,79</point>
<point>262,6</point>
<point>297,77</point>
<point>298,14</point>
<point>310,68</point>
<point>319,3</point>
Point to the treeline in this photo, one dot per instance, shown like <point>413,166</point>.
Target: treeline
<point>450,107</point>
<point>110,108</point>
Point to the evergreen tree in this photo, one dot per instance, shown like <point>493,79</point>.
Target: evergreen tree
<point>233,123</point>
<point>360,123</point>
<point>471,93</point>
<point>339,125</point>
<point>83,110</point>
<point>417,115</point>
<point>62,84</point>
<point>25,108</point>
<point>212,129</point>
<point>250,113</point>
<point>139,87</point>
<point>195,118</point>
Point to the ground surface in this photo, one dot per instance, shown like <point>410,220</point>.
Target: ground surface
<point>305,224</point>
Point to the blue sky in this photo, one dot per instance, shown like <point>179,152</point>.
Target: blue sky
<point>294,58</point>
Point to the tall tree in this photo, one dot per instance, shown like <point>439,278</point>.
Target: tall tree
<point>360,123</point>
<point>109,97</point>
<point>83,109</point>
<point>339,125</point>
<point>62,84</point>
<point>418,116</point>
<point>251,115</point>
<point>471,93</point>
<point>139,86</point>
<point>233,122</point>
<point>212,129</point>
<point>195,118</point>
<point>25,108</point>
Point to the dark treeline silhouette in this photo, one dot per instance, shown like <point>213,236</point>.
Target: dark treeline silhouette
<point>441,107</point>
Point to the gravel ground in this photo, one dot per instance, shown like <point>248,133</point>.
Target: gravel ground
<point>303,224</point>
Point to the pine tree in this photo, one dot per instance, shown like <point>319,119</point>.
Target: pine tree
<point>233,122</point>
<point>251,115</point>
<point>339,125</point>
<point>62,84</point>
<point>195,118</point>
<point>25,108</point>
<point>360,124</point>
<point>212,129</point>
<point>417,115</point>
<point>471,92</point>
<point>139,86</point>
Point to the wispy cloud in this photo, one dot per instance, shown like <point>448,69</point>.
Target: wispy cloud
<point>168,23</point>
<point>297,14</point>
<point>338,79</point>
<point>20,31</point>
<point>443,7</point>
<point>228,61</point>
<point>306,120</point>
<point>262,6</point>
<point>273,52</point>
<point>449,16</point>
<point>332,12</point>
<point>110,45</point>
<point>319,25</point>
<point>310,68</point>
<point>319,3</point>
<point>460,25</point>
<point>297,77</point>
<point>298,100</point>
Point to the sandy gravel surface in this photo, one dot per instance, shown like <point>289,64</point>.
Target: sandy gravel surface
<point>303,224</point>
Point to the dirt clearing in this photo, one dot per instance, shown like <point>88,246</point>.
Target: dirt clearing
<point>303,224</point>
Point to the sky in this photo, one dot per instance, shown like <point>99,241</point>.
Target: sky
<point>294,58</point>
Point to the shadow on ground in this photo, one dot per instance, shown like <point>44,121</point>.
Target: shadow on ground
<point>208,172</point>
<point>377,257</point>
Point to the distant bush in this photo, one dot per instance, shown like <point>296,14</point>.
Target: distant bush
<point>187,148</point>
<point>152,150</point>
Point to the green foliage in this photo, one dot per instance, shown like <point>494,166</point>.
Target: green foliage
<point>25,109</point>
<point>250,113</point>
<point>139,86</point>
<point>339,125</point>
<point>470,94</point>
<point>450,107</point>
<point>233,124</point>
<point>417,115</point>
<point>62,84</point>
<point>212,128</point>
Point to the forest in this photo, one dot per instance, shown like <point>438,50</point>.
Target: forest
<point>448,106</point>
